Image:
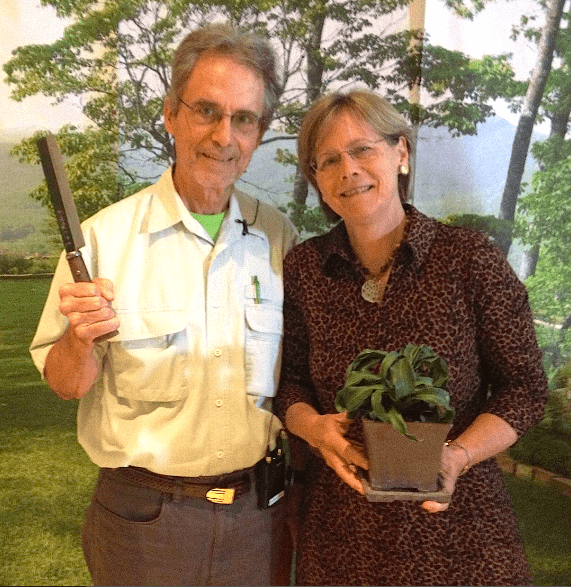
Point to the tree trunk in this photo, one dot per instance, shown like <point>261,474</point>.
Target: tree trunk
<point>559,123</point>
<point>527,119</point>
<point>314,84</point>
<point>529,262</point>
<point>416,22</point>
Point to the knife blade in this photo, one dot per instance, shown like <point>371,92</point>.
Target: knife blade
<point>65,210</point>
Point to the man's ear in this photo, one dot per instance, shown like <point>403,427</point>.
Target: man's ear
<point>260,137</point>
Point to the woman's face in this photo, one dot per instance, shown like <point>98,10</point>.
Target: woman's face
<point>357,171</point>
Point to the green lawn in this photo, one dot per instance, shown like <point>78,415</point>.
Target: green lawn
<point>47,480</point>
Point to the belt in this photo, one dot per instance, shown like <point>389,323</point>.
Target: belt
<point>222,489</point>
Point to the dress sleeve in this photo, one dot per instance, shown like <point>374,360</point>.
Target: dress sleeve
<point>295,381</point>
<point>511,359</point>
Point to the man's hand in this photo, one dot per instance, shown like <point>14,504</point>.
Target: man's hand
<point>71,367</point>
<point>87,306</point>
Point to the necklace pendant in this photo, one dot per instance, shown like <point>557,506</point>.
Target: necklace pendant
<point>372,291</point>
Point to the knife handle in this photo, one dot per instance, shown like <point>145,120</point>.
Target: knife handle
<point>80,273</point>
<point>77,266</point>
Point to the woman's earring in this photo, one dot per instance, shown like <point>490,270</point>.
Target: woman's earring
<point>404,169</point>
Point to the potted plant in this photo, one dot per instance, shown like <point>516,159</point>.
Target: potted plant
<point>402,398</point>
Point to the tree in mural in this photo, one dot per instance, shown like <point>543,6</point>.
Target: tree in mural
<point>543,219</point>
<point>556,106</point>
<point>531,104</point>
<point>114,56</point>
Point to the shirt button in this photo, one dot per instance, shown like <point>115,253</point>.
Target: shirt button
<point>219,454</point>
<point>219,402</point>
<point>217,352</point>
<point>216,304</point>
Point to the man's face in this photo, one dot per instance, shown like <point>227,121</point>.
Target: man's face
<point>210,157</point>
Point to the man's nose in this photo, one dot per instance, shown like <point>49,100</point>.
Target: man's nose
<point>222,131</point>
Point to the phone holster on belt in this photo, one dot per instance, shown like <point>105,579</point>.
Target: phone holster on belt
<point>272,474</point>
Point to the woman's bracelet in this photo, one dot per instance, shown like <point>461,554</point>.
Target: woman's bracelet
<point>462,447</point>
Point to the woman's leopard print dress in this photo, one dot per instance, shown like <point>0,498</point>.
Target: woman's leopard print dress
<point>451,289</point>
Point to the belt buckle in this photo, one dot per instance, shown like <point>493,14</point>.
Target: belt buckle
<point>221,495</point>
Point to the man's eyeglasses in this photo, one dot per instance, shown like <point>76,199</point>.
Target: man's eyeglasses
<point>206,113</point>
<point>362,151</point>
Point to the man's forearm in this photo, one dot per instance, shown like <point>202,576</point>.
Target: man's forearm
<point>71,367</point>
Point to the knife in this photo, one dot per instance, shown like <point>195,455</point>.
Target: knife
<point>65,211</point>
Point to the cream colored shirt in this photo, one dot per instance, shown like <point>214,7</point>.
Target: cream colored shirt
<point>181,388</point>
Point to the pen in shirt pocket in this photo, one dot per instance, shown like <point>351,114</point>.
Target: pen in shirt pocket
<point>256,283</point>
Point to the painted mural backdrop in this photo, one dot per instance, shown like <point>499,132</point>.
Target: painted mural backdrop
<point>93,71</point>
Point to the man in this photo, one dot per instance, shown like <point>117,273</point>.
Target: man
<point>174,408</point>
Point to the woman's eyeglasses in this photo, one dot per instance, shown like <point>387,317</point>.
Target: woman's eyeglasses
<point>362,151</point>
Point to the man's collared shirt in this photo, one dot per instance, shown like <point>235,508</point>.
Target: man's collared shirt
<point>181,388</point>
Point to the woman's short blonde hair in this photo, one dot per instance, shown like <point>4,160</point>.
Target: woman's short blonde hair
<point>387,122</point>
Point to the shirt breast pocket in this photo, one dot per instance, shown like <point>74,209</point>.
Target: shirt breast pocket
<point>149,356</point>
<point>264,332</point>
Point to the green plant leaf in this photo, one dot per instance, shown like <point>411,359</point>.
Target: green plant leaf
<point>378,410</point>
<point>402,377</point>
<point>411,352</point>
<point>399,424</point>
<point>366,359</point>
<point>396,387</point>
<point>350,399</point>
<point>387,363</point>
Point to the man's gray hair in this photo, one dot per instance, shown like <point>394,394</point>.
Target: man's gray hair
<point>246,48</point>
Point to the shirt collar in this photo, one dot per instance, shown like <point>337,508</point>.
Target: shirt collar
<point>419,236</point>
<point>168,209</point>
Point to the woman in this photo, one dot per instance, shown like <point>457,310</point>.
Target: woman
<point>383,277</point>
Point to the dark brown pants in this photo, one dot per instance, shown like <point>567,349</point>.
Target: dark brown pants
<point>133,535</point>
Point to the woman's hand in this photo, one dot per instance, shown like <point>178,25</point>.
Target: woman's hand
<point>453,460</point>
<point>487,436</point>
<point>326,433</point>
<point>341,455</point>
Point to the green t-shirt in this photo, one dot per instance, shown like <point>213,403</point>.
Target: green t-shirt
<point>210,222</point>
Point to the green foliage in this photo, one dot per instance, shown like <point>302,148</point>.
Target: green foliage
<point>14,263</point>
<point>91,166</point>
<point>548,444</point>
<point>460,88</point>
<point>550,288</point>
<point>542,448</point>
<point>308,220</point>
<point>490,225</point>
<point>544,221</point>
<point>557,416</point>
<point>546,209</point>
<point>397,387</point>
<point>555,344</point>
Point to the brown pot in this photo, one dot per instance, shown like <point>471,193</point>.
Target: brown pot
<point>396,462</point>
